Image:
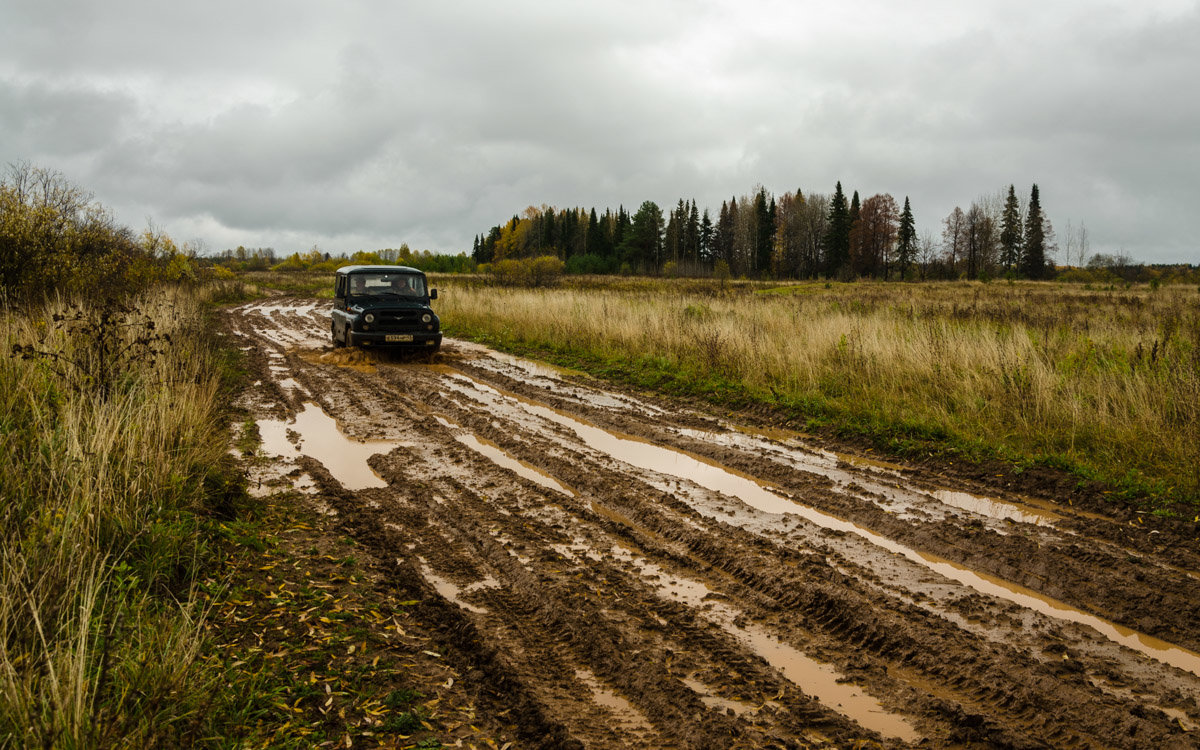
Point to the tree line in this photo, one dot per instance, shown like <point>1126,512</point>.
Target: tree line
<point>242,258</point>
<point>795,235</point>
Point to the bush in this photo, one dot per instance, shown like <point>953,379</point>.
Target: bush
<point>541,271</point>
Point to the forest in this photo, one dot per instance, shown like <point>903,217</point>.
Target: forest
<point>804,236</point>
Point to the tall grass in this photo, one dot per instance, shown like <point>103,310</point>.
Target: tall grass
<point>102,492</point>
<point>1104,382</point>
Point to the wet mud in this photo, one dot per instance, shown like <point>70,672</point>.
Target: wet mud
<point>614,569</point>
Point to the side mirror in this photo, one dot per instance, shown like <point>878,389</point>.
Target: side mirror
<point>432,294</point>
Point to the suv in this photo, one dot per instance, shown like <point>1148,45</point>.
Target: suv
<point>384,306</point>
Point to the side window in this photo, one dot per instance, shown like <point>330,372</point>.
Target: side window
<point>340,288</point>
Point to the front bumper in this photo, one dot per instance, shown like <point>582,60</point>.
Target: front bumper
<point>423,340</point>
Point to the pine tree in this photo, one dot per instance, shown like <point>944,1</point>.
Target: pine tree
<point>906,239</point>
<point>837,235</point>
<point>1033,259</point>
<point>1010,232</point>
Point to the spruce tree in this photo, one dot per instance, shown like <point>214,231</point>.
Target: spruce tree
<point>1010,232</point>
<point>1033,260</point>
<point>706,237</point>
<point>906,239</point>
<point>837,233</point>
<point>763,233</point>
<point>691,234</point>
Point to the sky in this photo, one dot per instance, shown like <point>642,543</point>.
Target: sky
<point>362,125</point>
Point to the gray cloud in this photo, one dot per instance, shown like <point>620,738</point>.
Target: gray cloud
<point>292,124</point>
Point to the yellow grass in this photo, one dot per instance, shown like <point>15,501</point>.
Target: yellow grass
<point>97,532</point>
<point>1104,381</point>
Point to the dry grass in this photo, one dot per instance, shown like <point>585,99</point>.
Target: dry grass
<point>1107,382</point>
<point>98,532</point>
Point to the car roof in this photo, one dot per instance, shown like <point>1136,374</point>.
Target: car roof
<point>378,269</point>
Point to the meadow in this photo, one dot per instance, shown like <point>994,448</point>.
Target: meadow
<point>113,426</point>
<point>1100,382</point>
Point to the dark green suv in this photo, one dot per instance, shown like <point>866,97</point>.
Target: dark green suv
<point>384,306</point>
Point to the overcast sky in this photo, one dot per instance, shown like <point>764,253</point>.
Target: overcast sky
<point>363,125</point>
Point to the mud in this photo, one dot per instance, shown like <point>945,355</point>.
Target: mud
<point>615,569</point>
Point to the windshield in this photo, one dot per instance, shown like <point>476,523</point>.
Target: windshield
<point>387,285</point>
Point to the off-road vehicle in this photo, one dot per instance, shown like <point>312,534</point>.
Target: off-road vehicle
<point>384,306</point>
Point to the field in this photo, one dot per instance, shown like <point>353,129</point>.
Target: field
<point>571,562</point>
<point>731,515</point>
<point>1104,383</point>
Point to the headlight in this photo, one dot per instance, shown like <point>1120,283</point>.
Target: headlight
<point>426,318</point>
<point>369,317</point>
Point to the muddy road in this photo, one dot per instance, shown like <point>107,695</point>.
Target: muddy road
<point>614,570</point>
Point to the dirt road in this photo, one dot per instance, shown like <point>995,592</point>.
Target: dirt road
<point>615,570</point>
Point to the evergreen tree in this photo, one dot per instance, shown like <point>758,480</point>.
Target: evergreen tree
<point>764,233</point>
<point>1010,232</point>
<point>592,238</point>
<point>691,234</point>
<point>906,239</point>
<point>706,238</point>
<point>726,232</point>
<point>620,228</point>
<point>1033,259</point>
<point>643,246</point>
<point>837,234</point>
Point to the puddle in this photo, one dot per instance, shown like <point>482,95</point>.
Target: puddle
<point>290,385</point>
<point>813,677</point>
<point>351,359</point>
<point>652,457</point>
<point>320,438</point>
<point>1179,716</point>
<point>862,462</point>
<point>554,378</point>
<point>451,591</point>
<point>627,716</point>
<point>496,455</point>
<point>826,464</point>
<point>986,506</point>
<point>712,700</point>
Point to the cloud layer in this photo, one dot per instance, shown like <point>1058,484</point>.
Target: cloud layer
<point>372,124</point>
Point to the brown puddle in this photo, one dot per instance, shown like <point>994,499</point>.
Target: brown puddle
<point>496,455</point>
<point>320,438</point>
<point>652,457</point>
<point>628,717</point>
<point>451,591</point>
<point>819,680</point>
<point>353,359</point>
<point>826,464</point>
<point>986,506</point>
<point>712,700</point>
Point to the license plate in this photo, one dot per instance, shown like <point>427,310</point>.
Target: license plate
<point>394,337</point>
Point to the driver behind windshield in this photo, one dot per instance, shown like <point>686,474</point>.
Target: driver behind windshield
<point>407,286</point>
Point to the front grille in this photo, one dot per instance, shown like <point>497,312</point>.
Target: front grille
<point>398,319</point>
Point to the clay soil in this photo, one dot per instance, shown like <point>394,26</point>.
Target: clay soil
<point>604,569</point>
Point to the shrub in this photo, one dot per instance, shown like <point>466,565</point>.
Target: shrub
<point>541,271</point>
